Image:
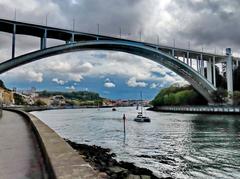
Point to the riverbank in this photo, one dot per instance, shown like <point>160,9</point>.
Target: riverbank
<point>103,160</point>
<point>45,108</point>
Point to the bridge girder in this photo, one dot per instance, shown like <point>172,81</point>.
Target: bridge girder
<point>202,85</point>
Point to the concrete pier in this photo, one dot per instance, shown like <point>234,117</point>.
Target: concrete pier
<point>200,109</point>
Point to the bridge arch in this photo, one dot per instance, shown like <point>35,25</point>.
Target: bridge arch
<point>202,85</point>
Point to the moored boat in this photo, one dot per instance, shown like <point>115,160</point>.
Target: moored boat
<point>140,117</point>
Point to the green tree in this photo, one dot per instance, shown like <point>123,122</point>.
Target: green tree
<point>39,103</point>
<point>220,96</point>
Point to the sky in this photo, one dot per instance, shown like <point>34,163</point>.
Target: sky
<point>207,24</point>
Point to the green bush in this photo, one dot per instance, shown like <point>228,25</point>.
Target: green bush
<point>39,103</point>
<point>178,95</point>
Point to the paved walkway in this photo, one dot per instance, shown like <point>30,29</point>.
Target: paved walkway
<point>20,156</point>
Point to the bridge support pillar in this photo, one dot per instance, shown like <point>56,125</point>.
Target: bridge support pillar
<point>229,74</point>
<point>13,40</point>
<point>197,63</point>
<point>209,70</point>
<point>201,65</point>
<point>214,72</point>
<point>72,38</point>
<point>43,44</point>
<point>188,58</point>
<point>173,52</point>
<point>184,58</point>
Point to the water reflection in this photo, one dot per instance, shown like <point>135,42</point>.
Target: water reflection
<point>177,145</point>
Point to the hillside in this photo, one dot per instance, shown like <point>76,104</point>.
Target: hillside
<point>178,95</point>
<point>79,95</point>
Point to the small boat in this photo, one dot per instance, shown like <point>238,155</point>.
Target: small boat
<point>140,117</point>
<point>114,109</point>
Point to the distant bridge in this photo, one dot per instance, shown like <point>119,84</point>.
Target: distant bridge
<point>178,60</point>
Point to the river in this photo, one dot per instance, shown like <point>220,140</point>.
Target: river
<point>176,145</point>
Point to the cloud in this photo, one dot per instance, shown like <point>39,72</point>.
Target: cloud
<point>29,75</point>
<point>58,81</point>
<point>132,82</point>
<point>85,67</point>
<point>154,85</point>
<point>70,88</point>
<point>216,24</point>
<point>75,77</point>
<point>109,84</point>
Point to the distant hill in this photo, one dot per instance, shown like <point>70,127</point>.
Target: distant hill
<point>79,95</point>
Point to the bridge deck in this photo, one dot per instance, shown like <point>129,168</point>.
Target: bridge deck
<point>20,156</point>
<point>65,35</point>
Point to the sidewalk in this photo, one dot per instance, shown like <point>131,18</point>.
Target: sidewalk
<point>20,156</point>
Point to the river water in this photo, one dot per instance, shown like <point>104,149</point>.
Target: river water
<point>177,145</point>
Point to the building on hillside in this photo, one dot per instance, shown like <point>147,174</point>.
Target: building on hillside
<point>47,100</point>
<point>58,100</point>
<point>27,99</point>
<point>6,97</point>
<point>107,102</point>
<point>31,93</point>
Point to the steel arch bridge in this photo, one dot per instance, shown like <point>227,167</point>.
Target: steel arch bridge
<point>78,41</point>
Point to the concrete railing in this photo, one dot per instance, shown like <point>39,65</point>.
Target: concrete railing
<point>61,160</point>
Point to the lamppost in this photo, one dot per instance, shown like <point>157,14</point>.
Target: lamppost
<point>15,15</point>
<point>47,19</point>
<point>98,29</point>
<point>73,28</point>
<point>174,43</point>
<point>140,35</point>
<point>120,32</point>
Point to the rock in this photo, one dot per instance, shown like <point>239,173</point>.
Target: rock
<point>118,170</point>
<point>145,177</point>
<point>103,161</point>
<point>131,176</point>
<point>103,175</point>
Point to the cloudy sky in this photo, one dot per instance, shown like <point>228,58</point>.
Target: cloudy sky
<point>207,24</point>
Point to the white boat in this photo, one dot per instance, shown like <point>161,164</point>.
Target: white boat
<point>140,117</point>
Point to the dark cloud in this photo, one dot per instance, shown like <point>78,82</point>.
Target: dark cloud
<point>110,15</point>
<point>208,22</point>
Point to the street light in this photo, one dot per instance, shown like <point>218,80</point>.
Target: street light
<point>73,24</point>
<point>140,34</point>
<point>120,32</point>
<point>47,19</point>
<point>15,15</point>
<point>98,29</point>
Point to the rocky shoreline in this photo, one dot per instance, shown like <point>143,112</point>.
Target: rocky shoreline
<point>103,160</point>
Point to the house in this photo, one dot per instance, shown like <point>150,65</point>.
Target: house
<point>6,97</point>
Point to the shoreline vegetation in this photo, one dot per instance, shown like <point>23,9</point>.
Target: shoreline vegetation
<point>103,160</point>
<point>178,95</point>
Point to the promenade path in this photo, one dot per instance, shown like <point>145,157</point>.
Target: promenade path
<point>20,156</point>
